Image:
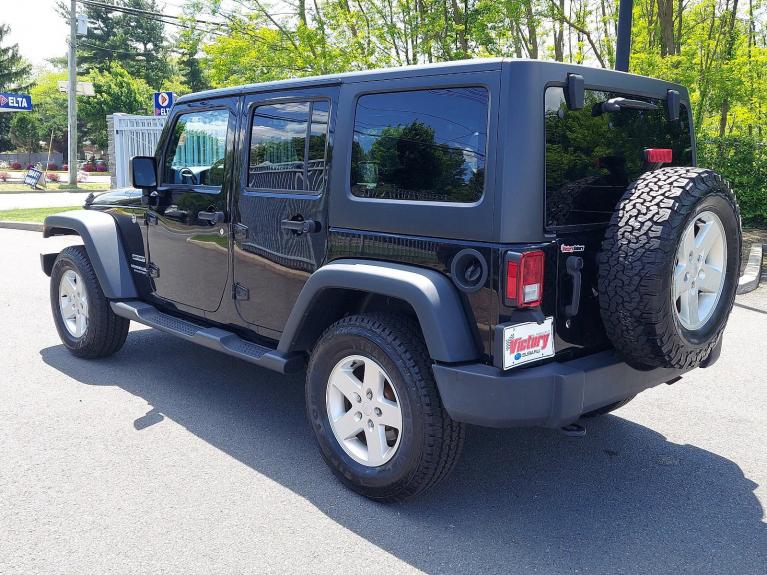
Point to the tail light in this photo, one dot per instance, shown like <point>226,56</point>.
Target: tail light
<point>524,278</point>
<point>658,155</point>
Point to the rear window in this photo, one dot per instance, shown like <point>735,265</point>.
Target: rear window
<point>424,145</point>
<point>591,159</point>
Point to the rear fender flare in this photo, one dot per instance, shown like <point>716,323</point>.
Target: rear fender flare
<point>103,244</point>
<point>433,297</point>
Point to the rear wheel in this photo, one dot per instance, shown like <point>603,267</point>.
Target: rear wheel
<point>375,410</point>
<point>86,324</point>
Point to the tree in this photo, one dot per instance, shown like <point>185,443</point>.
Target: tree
<point>14,72</point>
<point>26,132</point>
<point>125,36</point>
<point>50,107</point>
<point>116,91</point>
<point>188,45</point>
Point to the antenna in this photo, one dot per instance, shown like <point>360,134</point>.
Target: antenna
<point>623,41</point>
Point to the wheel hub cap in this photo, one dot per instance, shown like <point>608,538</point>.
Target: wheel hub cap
<point>699,271</point>
<point>73,303</point>
<point>364,410</point>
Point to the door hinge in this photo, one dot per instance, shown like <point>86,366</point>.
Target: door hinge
<point>240,292</point>
<point>239,232</point>
<point>153,270</point>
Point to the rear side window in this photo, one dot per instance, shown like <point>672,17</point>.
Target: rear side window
<point>288,146</point>
<point>591,159</point>
<point>425,145</point>
<point>197,149</point>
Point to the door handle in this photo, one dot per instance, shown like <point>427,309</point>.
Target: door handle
<point>301,226</point>
<point>212,217</point>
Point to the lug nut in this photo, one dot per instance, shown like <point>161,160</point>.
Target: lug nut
<point>378,411</point>
<point>369,394</point>
<point>370,424</point>
<point>357,397</point>
<point>357,416</point>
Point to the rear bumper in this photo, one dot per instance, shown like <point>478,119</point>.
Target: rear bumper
<point>551,395</point>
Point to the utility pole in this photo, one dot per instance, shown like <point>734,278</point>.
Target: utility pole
<point>72,94</point>
<point>623,51</point>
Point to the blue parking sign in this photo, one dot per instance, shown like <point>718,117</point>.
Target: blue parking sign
<point>15,102</point>
<point>163,102</point>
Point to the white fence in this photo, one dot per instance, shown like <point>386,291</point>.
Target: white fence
<point>131,136</point>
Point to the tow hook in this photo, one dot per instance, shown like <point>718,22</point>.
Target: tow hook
<point>573,430</point>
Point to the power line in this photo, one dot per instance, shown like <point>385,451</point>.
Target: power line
<point>180,22</point>
<point>128,9</point>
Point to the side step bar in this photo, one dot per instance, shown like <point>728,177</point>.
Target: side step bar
<point>210,337</point>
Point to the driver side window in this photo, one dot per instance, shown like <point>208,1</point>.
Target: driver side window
<point>197,149</point>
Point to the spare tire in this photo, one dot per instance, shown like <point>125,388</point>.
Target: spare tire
<point>668,269</point>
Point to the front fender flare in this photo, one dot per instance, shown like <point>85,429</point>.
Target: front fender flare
<point>435,300</point>
<point>103,244</point>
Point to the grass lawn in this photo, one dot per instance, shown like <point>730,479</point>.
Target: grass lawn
<point>31,214</point>
<point>16,187</point>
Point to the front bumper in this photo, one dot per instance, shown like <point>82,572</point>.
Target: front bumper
<point>551,395</point>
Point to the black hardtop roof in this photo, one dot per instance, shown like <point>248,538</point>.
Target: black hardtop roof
<point>455,67</point>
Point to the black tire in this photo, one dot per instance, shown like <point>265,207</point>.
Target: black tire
<point>105,332</point>
<point>637,261</point>
<point>431,442</point>
<point>607,408</point>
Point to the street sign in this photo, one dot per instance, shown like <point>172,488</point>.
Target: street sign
<point>83,88</point>
<point>163,102</point>
<point>15,102</point>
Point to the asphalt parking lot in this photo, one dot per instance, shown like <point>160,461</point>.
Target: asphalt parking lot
<point>169,458</point>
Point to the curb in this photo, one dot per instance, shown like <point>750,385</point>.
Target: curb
<point>28,226</point>
<point>749,281</point>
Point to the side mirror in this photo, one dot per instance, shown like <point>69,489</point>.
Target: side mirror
<point>143,173</point>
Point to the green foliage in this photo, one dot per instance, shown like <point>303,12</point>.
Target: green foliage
<point>743,161</point>
<point>134,41</point>
<point>116,91</point>
<point>50,106</point>
<point>14,73</point>
<point>26,132</point>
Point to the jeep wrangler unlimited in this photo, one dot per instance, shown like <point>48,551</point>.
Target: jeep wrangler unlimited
<point>503,243</point>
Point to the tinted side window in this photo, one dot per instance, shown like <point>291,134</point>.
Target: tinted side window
<point>591,159</point>
<point>287,151</point>
<point>197,149</point>
<point>425,145</point>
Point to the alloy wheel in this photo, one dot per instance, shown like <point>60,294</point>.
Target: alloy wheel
<point>699,272</point>
<point>364,410</point>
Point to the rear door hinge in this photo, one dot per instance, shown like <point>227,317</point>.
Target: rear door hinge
<point>240,292</point>
<point>153,270</point>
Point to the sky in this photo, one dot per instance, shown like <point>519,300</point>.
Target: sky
<point>39,30</point>
<point>36,27</point>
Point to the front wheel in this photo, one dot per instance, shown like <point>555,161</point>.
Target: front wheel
<point>86,324</point>
<point>375,410</point>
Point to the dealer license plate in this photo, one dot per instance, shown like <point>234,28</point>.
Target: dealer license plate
<point>526,342</point>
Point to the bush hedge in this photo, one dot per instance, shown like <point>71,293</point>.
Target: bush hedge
<point>743,161</point>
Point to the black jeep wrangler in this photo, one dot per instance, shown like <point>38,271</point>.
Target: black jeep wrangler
<point>503,243</point>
